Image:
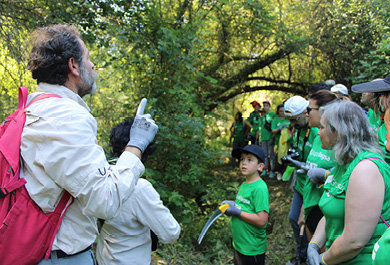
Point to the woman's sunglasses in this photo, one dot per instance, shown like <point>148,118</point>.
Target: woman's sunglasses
<point>308,109</point>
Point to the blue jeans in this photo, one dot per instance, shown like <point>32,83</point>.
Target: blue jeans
<point>268,148</point>
<point>295,210</point>
<point>84,258</point>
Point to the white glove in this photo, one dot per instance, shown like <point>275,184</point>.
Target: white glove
<point>144,128</point>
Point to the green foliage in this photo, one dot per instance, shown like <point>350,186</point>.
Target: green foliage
<point>376,63</point>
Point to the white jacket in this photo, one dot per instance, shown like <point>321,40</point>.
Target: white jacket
<point>125,239</point>
<point>60,152</point>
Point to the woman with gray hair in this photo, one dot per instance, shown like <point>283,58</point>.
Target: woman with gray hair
<point>356,198</point>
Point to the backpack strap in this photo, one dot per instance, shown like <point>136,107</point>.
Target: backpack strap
<point>61,209</point>
<point>17,182</point>
<point>44,96</point>
<point>23,94</point>
<point>14,184</point>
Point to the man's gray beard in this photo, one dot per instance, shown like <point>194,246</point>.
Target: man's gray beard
<point>87,82</point>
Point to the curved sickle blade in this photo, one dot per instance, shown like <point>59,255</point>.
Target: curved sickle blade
<point>211,220</point>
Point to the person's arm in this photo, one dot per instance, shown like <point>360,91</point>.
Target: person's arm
<point>301,219</point>
<point>136,151</point>
<point>259,219</point>
<point>319,236</point>
<point>231,133</point>
<point>387,124</point>
<point>248,124</point>
<point>361,212</point>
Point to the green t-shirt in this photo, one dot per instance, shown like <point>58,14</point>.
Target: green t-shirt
<point>265,134</point>
<point>306,146</point>
<point>332,205</point>
<point>250,239</point>
<point>382,142</point>
<point>239,132</point>
<point>255,120</point>
<point>318,158</point>
<point>374,120</point>
<point>381,253</point>
<point>277,122</point>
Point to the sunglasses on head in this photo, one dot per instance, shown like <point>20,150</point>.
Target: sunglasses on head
<point>308,109</point>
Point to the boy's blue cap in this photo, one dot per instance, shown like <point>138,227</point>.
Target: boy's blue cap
<point>250,148</point>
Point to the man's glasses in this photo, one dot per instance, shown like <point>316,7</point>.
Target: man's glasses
<point>297,119</point>
<point>308,109</point>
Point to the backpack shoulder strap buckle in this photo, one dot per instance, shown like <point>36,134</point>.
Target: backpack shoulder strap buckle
<point>3,192</point>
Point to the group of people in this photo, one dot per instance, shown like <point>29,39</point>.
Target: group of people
<point>263,127</point>
<point>341,196</point>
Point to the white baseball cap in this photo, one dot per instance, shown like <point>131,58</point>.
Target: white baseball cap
<point>295,106</point>
<point>339,88</point>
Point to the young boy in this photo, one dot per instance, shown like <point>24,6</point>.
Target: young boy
<point>250,210</point>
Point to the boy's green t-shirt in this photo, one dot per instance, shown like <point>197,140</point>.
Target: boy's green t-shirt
<point>255,120</point>
<point>318,158</point>
<point>250,239</point>
<point>332,204</point>
<point>265,134</point>
<point>278,122</point>
<point>306,146</point>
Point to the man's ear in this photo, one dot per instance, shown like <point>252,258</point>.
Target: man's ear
<point>74,67</point>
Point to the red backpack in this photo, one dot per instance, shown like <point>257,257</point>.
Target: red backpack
<point>26,232</point>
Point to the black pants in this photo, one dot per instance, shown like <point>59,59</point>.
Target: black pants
<point>240,259</point>
<point>314,218</point>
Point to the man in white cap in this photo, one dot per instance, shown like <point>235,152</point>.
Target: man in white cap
<point>340,90</point>
<point>295,109</point>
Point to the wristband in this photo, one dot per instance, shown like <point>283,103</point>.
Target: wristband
<point>327,173</point>
<point>323,261</point>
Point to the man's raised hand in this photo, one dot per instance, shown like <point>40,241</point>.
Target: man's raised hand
<point>144,128</point>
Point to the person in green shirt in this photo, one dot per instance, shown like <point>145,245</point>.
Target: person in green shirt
<point>319,162</point>
<point>357,192</point>
<point>250,209</point>
<point>295,109</point>
<point>377,94</point>
<point>239,130</point>
<point>255,121</point>
<point>267,140</point>
<point>280,123</point>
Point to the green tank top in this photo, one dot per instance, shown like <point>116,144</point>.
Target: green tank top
<point>250,239</point>
<point>239,132</point>
<point>318,158</point>
<point>332,205</point>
